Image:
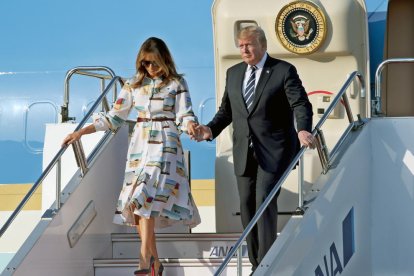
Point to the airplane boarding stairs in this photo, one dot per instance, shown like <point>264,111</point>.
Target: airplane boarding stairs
<point>361,222</point>
<point>356,221</point>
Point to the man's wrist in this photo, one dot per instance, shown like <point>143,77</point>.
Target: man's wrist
<point>210,134</point>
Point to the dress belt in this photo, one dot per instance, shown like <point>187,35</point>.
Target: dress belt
<point>139,120</point>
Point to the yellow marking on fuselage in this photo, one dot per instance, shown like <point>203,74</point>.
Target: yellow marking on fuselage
<point>203,191</point>
<point>12,194</point>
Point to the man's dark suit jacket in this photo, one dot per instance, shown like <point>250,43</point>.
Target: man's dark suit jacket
<point>270,125</point>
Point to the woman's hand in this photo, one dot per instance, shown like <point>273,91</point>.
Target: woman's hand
<point>76,135</point>
<point>71,138</point>
<point>192,128</point>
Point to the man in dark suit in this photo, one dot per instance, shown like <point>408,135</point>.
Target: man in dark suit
<point>265,140</point>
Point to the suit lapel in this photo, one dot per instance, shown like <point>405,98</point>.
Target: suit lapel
<point>239,90</point>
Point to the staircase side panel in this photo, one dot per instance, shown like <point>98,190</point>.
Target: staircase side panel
<point>51,254</point>
<point>393,196</point>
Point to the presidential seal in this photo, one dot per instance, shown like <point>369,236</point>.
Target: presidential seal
<point>301,27</point>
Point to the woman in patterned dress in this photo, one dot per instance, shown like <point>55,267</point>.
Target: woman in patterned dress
<point>155,190</point>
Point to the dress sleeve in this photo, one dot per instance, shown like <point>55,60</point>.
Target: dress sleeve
<point>183,107</point>
<point>118,114</point>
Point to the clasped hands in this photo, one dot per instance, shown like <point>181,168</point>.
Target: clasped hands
<point>198,132</point>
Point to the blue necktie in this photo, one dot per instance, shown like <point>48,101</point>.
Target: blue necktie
<point>248,94</point>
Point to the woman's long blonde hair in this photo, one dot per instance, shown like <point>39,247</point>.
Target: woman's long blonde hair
<point>163,58</point>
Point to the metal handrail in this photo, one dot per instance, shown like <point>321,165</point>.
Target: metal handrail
<point>56,160</point>
<point>376,103</point>
<point>316,133</point>
<point>324,156</point>
<point>86,71</point>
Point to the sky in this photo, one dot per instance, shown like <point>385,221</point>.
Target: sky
<point>52,35</point>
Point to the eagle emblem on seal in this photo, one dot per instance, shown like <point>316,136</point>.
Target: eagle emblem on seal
<point>301,28</point>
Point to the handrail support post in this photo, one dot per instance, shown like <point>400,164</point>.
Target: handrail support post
<point>348,108</point>
<point>58,183</point>
<point>80,157</point>
<point>239,261</point>
<point>322,150</point>
<point>300,182</point>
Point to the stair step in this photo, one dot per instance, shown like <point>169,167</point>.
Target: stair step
<point>172,267</point>
<point>183,236</point>
<point>178,246</point>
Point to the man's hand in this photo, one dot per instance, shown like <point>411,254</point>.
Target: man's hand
<point>202,133</point>
<point>306,139</point>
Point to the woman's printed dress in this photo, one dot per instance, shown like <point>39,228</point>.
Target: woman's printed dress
<point>155,182</point>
